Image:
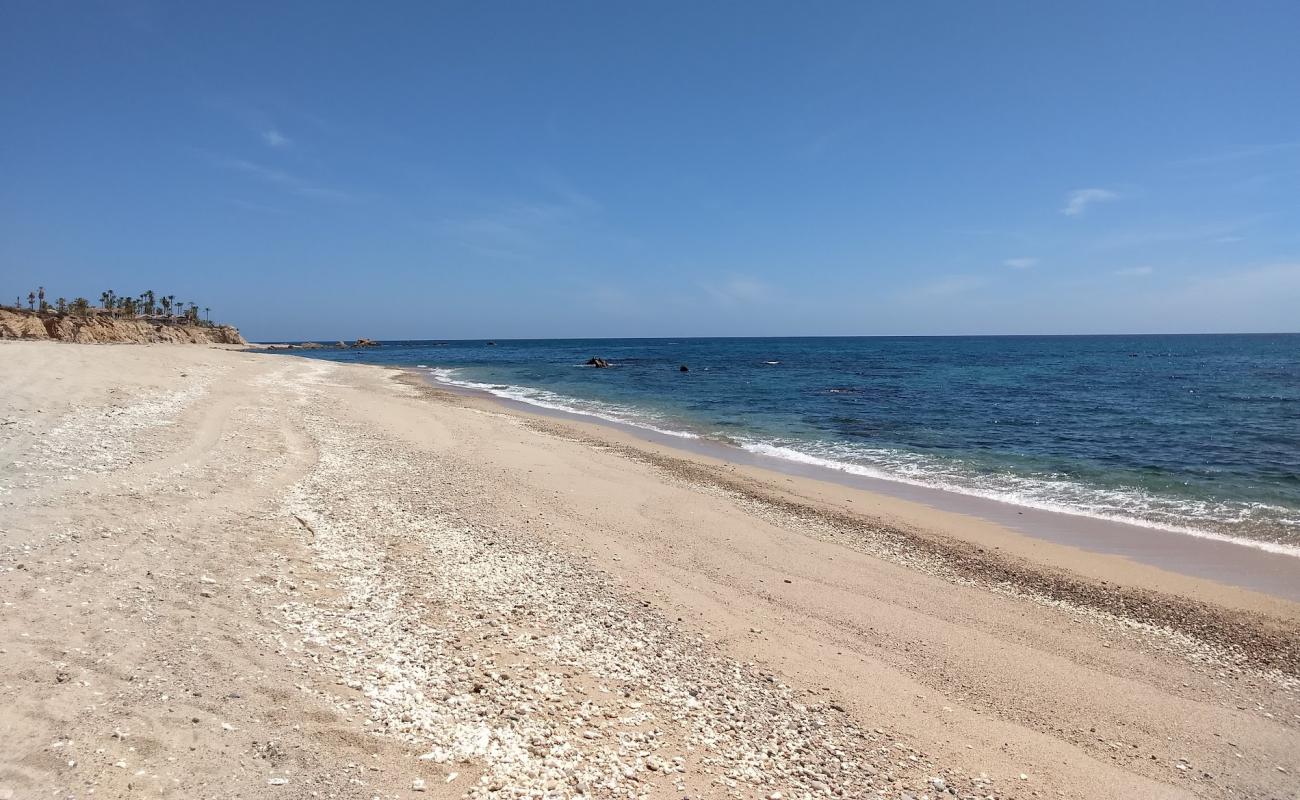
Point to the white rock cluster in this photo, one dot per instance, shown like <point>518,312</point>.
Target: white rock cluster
<point>103,438</point>
<point>499,655</point>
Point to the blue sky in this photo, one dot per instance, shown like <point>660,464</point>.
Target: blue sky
<point>486,169</point>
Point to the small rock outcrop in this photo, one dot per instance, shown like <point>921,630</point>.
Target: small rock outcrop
<point>101,328</point>
<point>598,363</point>
<point>365,343</point>
<point>683,368</point>
<point>21,326</point>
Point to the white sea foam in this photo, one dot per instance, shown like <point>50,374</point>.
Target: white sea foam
<point>1130,506</point>
<point>557,402</point>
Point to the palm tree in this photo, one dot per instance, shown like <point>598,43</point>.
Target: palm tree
<point>61,306</point>
<point>148,301</point>
<point>40,295</point>
<point>80,306</point>
<point>31,301</point>
<point>207,314</point>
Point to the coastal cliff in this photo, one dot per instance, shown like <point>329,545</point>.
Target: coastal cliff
<point>105,329</point>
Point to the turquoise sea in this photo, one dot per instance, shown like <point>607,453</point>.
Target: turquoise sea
<point>1198,434</point>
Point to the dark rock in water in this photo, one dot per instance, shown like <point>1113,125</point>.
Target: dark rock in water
<point>598,363</point>
<point>365,343</point>
<point>683,368</point>
<point>492,344</point>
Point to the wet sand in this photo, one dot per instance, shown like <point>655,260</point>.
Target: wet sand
<point>1223,561</point>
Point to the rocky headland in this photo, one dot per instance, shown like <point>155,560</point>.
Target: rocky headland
<point>103,328</point>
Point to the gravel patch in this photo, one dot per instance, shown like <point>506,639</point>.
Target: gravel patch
<point>523,672</point>
<point>1235,643</point>
<point>101,439</point>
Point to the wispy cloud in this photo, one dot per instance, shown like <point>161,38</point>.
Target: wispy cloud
<point>830,139</point>
<point>284,180</point>
<point>1239,154</point>
<point>1019,238</point>
<point>1163,234</point>
<point>1021,263</point>
<point>509,232</point>
<point>1264,298</point>
<point>570,197</point>
<point>274,138</point>
<point>258,208</point>
<point>1265,180</point>
<point>949,286</point>
<point>520,229</point>
<point>1078,201</point>
<point>268,119</point>
<point>738,290</point>
<point>1135,272</point>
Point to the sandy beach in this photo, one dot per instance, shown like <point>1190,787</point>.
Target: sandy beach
<point>232,574</point>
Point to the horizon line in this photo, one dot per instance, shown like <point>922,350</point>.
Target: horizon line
<point>329,340</point>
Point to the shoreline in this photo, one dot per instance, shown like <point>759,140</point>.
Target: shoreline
<point>1224,560</point>
<point>1260,627</point>
<point>794,461</point>
<point>230,573</point>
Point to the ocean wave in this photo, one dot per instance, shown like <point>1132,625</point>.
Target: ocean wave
<point>1207,519</point>
<point>558,402</point>
<point>1127,505</point>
